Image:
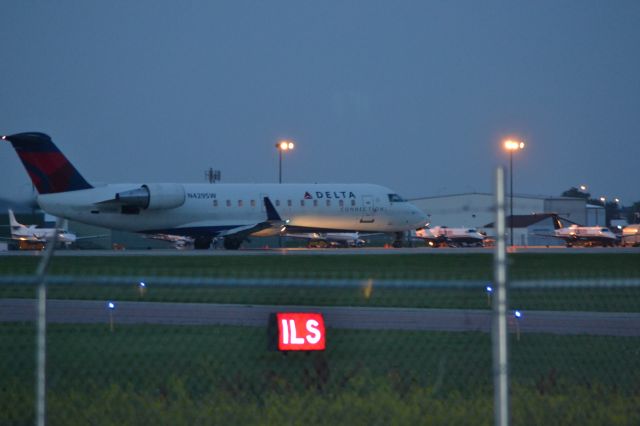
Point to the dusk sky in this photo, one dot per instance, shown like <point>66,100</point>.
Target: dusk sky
<point>413,95</point>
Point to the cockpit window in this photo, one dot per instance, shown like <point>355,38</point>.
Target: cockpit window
<point>604,230</point>
<point>395,198</point>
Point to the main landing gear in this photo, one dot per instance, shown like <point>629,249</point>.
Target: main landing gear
<point>397,243</point>
<point>231,243</point>
<point>202,243</point>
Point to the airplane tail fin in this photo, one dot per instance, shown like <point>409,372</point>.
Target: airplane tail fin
<point>49,170</point>
<point>556,222</point>
<point>15,225</point>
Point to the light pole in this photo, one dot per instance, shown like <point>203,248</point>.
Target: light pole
<point>282,146</point>
<point>511,146</point>
<point>583,190</point>
<point>603,200</point>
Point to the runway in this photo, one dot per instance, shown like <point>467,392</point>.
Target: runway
<point>401,319</point>
<point>326,252</point>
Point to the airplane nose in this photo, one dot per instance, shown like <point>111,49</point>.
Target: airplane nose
<point>421,218</point>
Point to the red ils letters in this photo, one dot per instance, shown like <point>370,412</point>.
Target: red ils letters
<point>300,332</point>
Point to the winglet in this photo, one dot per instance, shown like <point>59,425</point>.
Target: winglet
<point>272,214</point>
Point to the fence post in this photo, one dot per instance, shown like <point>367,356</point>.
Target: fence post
<point>41,330</point>
<point>499,326</point>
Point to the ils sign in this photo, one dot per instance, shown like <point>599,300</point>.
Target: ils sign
<point>300,332</point>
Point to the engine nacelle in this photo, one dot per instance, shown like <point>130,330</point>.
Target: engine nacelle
<point>154,196</point>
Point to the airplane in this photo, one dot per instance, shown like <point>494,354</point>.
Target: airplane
<point>330,239</point>
<point>631,235</point>
<point>204,211</point>
<point>439,236</point>
<point>35,234</point>
<point>583,235</point>
<point>180,242</point>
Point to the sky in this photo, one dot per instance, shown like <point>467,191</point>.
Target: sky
<point>413,95</point>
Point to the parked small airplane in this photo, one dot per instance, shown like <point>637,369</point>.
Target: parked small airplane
<point>439,236</point>
<point>204,211</point>
<point>35,234</point>
<point>180,242</point>
<point>330,239</point>
<point>631,235</point>
<point>583,235</point>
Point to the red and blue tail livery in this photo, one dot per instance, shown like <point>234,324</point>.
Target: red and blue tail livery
<point>48,168</point>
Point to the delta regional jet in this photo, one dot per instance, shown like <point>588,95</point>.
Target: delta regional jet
<point>204,211</point>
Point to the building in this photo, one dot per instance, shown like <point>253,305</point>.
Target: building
<point>475,210</point>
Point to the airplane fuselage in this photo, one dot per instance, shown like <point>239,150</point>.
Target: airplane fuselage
<point>441,235</point>
<point>42,235</point>
<point>210,209</point>
<point>587,234</point>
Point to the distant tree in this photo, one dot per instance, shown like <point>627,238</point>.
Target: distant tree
<point>612,211</point>
<point>633,213</point>
<point>576,193</point>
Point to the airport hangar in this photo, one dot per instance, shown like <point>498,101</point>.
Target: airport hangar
<point>532,214</point>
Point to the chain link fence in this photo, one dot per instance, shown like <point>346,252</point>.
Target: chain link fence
<point>190,339</point>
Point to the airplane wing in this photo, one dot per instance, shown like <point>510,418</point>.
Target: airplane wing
<point>304,236</point>
<point>370,234</point>
<point>273,224</point>
<point>86,237</point>
<point>560,237</point>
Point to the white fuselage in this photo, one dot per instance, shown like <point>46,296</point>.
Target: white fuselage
<point>454,236</point>
<point>33,233</point>
<point>211,209</point>
<point>587,234</point>
<point>348,239</point>
<point>631,235</point>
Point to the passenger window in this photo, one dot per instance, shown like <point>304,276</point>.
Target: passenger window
<point>328,203</point>
<point>341,203</point>
<point>215,203</point>
<point>301,203</point>
<point>253,203</point>
<point>353,203</point>
<point>228,203</point>
<point>315,203</point>
<point>239,203</point>
<point>277,203</point>
<point>289,203</point>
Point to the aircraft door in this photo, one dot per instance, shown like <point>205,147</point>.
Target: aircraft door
<point>369,209</point>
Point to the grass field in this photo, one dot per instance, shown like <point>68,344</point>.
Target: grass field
<point>426,266</point>
<point>225,375</point>
<point>367,271</point>
<point>173,375</point>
